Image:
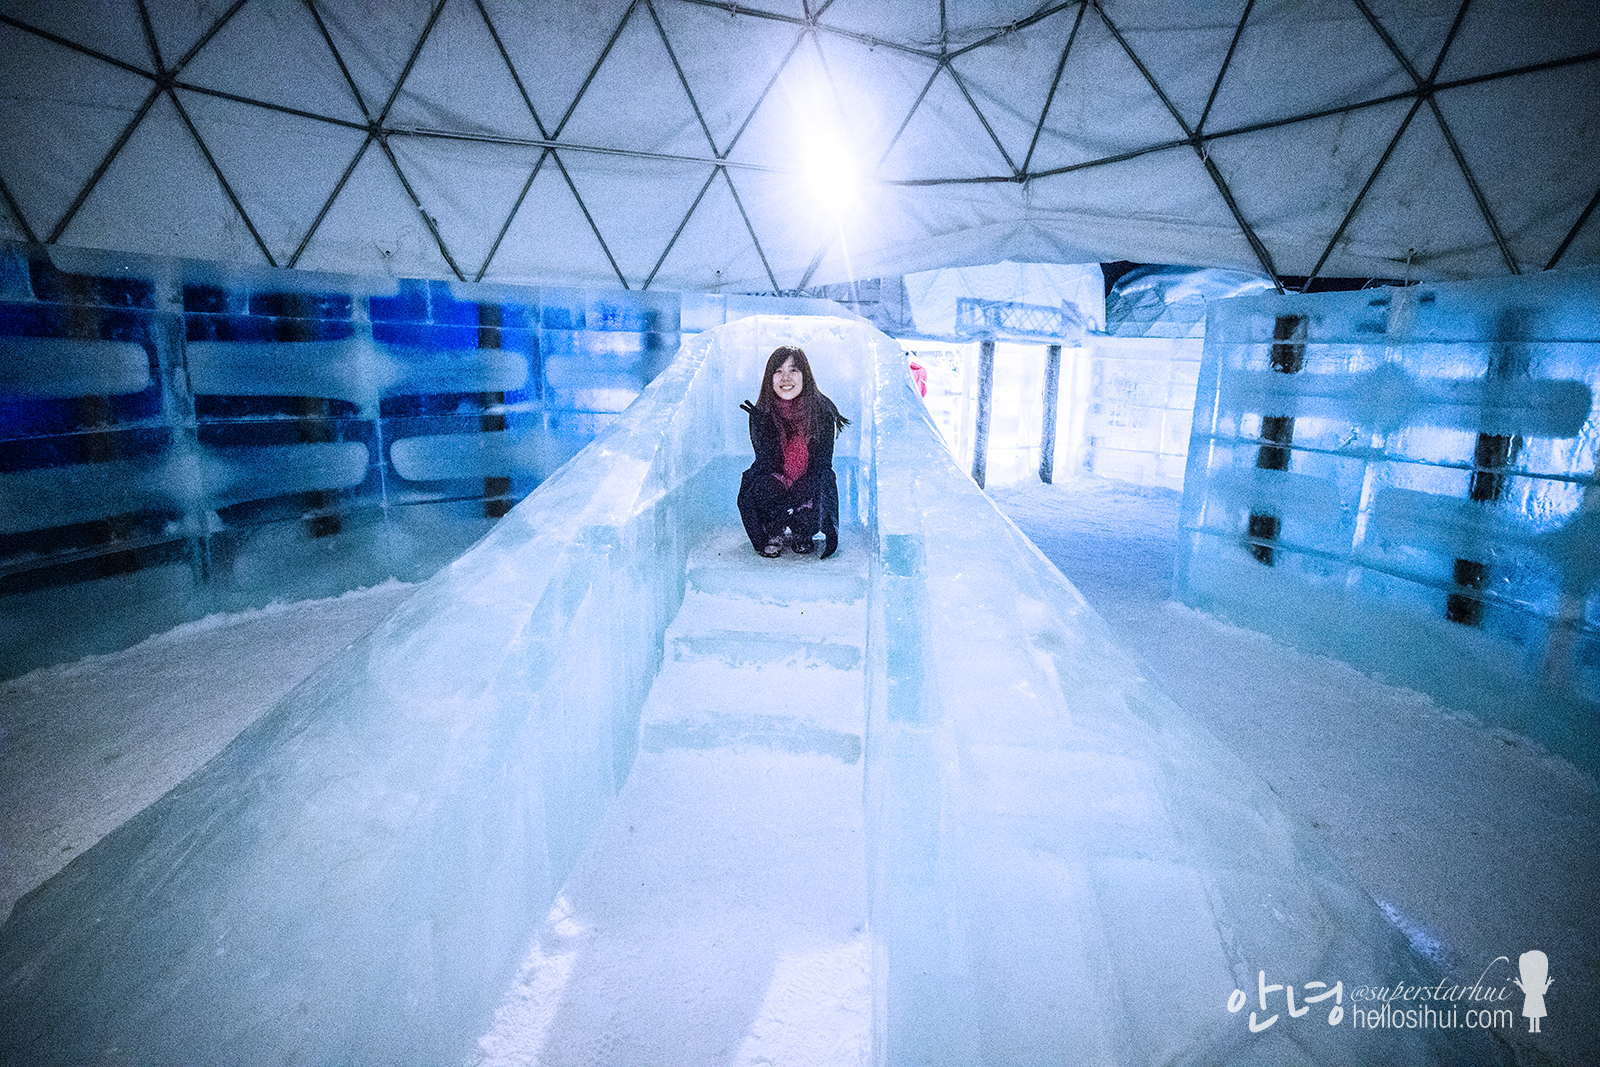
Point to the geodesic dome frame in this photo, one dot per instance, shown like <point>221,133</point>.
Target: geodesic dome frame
<point>691,144</point>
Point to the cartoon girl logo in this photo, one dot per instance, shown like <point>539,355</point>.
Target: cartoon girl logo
<point>1535,969</point>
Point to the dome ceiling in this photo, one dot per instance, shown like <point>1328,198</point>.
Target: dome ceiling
<point>781,144</point>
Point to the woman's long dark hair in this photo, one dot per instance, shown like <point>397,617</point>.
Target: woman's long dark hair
<point>816,406</point>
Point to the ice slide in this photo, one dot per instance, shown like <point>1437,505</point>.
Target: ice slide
<point>909,805</point>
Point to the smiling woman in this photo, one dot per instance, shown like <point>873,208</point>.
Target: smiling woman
<point>790,494</point>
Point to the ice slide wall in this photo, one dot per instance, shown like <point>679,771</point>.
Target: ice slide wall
<point>1063,865</point>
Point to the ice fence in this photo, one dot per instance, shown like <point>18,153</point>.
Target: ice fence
<point>1063,865</point>
<point>1406,478</point>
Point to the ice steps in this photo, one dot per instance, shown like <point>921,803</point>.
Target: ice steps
<point>727,566</point>
<point>720,913</point>
<point>740,649</point>
<point>754,731</point>
<point>772,659</point>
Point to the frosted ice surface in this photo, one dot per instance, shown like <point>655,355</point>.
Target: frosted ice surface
<point>931,729</point>
<point>352,370</point>
<point>1430,515</point>
<point>440,456</point>
<point>71,366</point>
<point>211,478</point>
<point>1388,397</point>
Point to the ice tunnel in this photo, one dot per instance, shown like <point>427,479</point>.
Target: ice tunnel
<point>959,778</point>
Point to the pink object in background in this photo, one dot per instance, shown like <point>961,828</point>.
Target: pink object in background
<point>920,373</point>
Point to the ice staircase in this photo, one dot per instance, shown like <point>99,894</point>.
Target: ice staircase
<point>720,916</point>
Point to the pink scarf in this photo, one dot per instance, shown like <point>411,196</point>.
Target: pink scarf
<point>791,419</point>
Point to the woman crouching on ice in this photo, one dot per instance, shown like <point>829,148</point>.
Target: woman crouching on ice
<point>791,484</point>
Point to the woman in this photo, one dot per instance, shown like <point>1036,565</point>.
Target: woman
<point>791,484</point>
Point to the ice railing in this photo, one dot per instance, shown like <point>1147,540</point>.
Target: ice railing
<point>1406,478</point>
<point>1065,867</point>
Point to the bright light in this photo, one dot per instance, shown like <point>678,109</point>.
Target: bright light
<point>832,175</point>
<point>831,172</point>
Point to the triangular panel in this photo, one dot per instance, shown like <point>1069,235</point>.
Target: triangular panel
<point>1505,36</point>
<point>113,29</point>
<point>944,139</point>
<point>1158,208</point>
<point>789,229</point>
<point>728,58</point>
<point>1182,45</point>
<point>1422,202</point>
<point>636,204</point>
<point>282,168</point>
<point>932,226</point>
<point>550,241</point>
<point>179,27</point>
<point>1010,77</point>
<point>1103,106</point>
<point>868,92</point>
<point>912,23</point>
<point>376,43</point>
<point>160,197</point>
<point>1295,183</point>
<point>1419,30</point>
<point>246,58</point>
<point>554,46</point>
<point>967,21</point>
<point>636,100</point>
<point>461,82</point>
<point>875,88</point>
<point>1502,126</point>
<point>468,187</point>
<point>1291,61</point>
<point>714,252</point>
<point>374,227</point>
<point>57,122</point>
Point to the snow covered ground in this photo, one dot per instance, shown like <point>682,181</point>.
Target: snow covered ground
<point>1479,844</point>
<point>85,745</point>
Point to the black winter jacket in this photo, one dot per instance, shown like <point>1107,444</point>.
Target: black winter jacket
<point>768,445</point>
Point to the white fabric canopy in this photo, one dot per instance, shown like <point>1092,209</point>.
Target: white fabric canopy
<point>677,143</point>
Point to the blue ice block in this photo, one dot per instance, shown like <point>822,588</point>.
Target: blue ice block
<point>1406,478</point>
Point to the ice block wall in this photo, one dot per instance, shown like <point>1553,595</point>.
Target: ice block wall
<point>1126,408</point>
<point>1406,478</point>
<point>181,438</point>
<point>354,880</point>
